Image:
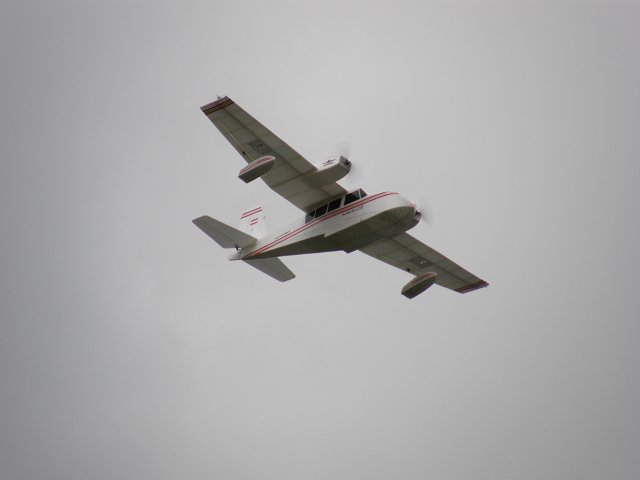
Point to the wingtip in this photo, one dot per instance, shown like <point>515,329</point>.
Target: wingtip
<point>198,221</point>
<point>219,104</point>
<point>472,287</point>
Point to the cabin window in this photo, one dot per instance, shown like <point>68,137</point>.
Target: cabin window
<point>335,204</point>
<point>320,211</point>
<point>349,198</point>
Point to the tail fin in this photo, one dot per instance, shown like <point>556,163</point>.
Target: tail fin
<point>254,222</point>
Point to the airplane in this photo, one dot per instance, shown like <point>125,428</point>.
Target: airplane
<point>335,219</point>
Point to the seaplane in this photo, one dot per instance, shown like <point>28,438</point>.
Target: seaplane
<point>335,219</point>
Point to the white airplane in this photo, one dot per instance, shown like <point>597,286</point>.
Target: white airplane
<point>335,219</point>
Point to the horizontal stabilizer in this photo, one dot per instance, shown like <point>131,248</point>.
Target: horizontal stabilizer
<point>272,267</point>
<point>223,234</point>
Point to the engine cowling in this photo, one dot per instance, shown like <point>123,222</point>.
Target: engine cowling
<point>329,171</point>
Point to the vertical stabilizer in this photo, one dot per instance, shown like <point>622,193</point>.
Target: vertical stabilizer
<point>253,222</point>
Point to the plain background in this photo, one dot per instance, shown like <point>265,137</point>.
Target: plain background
<point>131,348</point>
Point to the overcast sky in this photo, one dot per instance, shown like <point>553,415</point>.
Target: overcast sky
<point>131,348</point>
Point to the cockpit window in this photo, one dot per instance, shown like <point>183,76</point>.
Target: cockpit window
<point>351,197</point>
<point>362,193</point>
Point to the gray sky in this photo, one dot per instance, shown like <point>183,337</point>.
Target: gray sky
<point>131,348</point>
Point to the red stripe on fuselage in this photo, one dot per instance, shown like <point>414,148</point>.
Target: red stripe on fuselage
<point>321,219</point>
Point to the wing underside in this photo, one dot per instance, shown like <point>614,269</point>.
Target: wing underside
<point>252,140</point>
<point>411,255</point>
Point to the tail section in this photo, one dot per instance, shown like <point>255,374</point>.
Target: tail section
<point>254,222</point>
<point>229,237</point>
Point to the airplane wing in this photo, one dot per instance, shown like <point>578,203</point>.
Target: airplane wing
<point>411,255</point>
<point>253,140</point>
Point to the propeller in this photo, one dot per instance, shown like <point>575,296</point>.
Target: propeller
<point>426,212</point>
<point>354,177</point>
<point>344,149</point>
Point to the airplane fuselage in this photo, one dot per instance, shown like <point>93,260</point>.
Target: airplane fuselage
<point>336,219</point>
<point>341,226</point>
